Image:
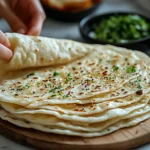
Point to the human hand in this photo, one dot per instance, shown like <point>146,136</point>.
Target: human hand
<point>23,16</point>
<point>5,52</point>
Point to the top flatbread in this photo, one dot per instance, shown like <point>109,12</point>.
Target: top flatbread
<point>32,51</point>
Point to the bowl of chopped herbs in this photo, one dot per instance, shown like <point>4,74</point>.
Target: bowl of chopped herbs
<point>117,28</point>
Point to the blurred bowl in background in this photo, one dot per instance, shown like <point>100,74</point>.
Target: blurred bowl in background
<point>72,10</point>
<point>144,4</point>
<point>87,26</point>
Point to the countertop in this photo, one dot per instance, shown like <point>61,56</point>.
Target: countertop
<point>58,29</point>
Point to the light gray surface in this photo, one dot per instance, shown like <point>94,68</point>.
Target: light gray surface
<point>70,31</point>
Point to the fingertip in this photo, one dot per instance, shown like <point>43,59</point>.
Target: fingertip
<point>34,32</point>
<point>21,30</point>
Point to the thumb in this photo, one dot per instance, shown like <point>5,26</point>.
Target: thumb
<point>5,52</point>
<point>14,21</point>
<point>4,40</point>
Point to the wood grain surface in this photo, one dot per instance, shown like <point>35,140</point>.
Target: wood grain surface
<point>126,138</point>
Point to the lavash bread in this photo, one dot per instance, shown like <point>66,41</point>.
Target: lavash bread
<point>87,90</point>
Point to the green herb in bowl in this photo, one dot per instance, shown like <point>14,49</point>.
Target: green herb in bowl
<point>122,28</point>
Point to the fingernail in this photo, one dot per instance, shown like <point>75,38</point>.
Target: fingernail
<point>9,54</point>
<point>22,31</point>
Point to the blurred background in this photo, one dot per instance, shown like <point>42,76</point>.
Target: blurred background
<point>59,29</point>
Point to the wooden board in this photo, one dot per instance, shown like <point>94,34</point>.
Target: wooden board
<point>122,139</point>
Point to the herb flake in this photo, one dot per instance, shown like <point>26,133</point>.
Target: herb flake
<point>65,96</point>
<point>115,68</point>
<point>53,95</point>
<point>31,74</point>
<point>131,69</point>
<point>56,74</point>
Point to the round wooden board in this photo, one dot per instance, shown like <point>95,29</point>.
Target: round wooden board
<point>122,139</point>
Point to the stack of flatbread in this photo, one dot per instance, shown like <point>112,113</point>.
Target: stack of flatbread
<point>70,88</point>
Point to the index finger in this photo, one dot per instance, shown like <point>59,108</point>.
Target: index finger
<point>37,18</point>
